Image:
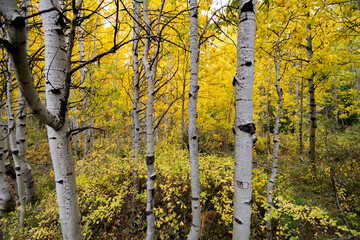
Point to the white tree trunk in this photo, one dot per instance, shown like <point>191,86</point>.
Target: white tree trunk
<point>21,128</point>
<point>193,141</point>
<point>6,201</point>
<point>136,82</point>
<point>20,187</point>
<point>244,124</point>
<point>150,73</point>
<point>64,166</point>
<point>274,170</point>
<point>21,142</point>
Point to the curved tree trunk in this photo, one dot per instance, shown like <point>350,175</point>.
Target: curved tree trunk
<point>21,128</point>
<point>244,123</point>
<point>193,142</point>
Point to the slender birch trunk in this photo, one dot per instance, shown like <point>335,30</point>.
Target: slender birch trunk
<point>136,82</point>
<point>183,105</point>
<point>312,112</point>
<point>150,74</point>
<point>6,201</point>
<point>357,79</point>
<point>89,133</point>
<point>193,141</point>
<point>268,114</point>
<point>301,143</point>
<point>274,170</point>
<point>20,187</point>
<point>244,123</point>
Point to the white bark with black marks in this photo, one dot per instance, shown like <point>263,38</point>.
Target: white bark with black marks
<point>6,201</point>
<point>59,142</point>
<point>136,88</point>
<point>274,169</point>
<point>150,74</point>
<point>244,123</point>
<point>20,186</point>
<point>195,230</point>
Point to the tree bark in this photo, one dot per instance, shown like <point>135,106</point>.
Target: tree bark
<point>21,117</point>
<point>274,169</point>
<point>192,129</point>
<point>6,201</point>
<point>244,124</point>
<point>136,88</point>
<point>60,148</point>
<point>150,74</point>
<point>20,187</point>
<point>312,113</point>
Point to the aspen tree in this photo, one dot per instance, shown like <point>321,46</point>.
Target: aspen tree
<point>136,87</point>
<point>150,74</point>
<point>21,129</point>
<point>274,170</point>
<point>193,141</point>
<point>13,147</point>
<point>55,114</point>
<point>244,124</point>
<point>6,201</point>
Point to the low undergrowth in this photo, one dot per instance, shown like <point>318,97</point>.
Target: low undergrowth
<point>112,208</point>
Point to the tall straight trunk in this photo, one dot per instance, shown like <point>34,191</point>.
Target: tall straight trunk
<point>268,114</point>
<point>244,123</point>
<point>89,133</point>
<point>193,141</point>
<point>336,104</point>
<point>21,142</point>
<point>59,142</point>
<point>301,143</point>
<point>312,112</point>
<point>136,82</point>
<point>6,201</point>
<point>183,105</point>
<point>20,186</point>
<point>150,74</point>
<point>274,169</point>
<point>357,79</point>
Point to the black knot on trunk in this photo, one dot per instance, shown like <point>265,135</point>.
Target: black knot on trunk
<point>235,81</point>
<point>19,22</point>
<point>249,128</point>
<point>55,91</point>
<point>248,7</point>
<point>150,160</point>
<point>148,213</point>
<point>248,63</point>
<point>238,221</point>
<point>15,152</point>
